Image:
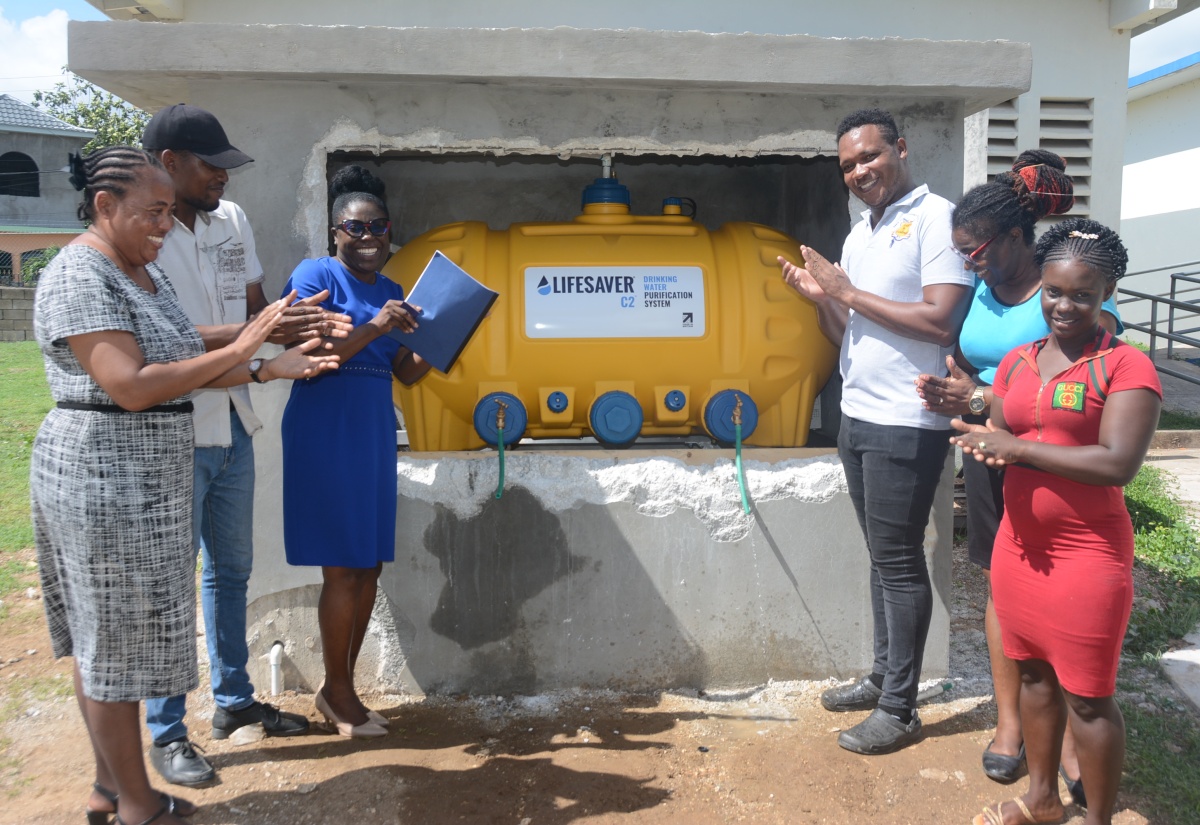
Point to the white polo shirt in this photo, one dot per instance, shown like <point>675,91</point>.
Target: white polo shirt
<point>907,251</point>
<point>209,270</point>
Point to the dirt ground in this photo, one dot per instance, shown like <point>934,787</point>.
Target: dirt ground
<point>766,755</point>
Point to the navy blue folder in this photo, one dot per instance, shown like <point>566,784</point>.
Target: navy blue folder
<point>453,304</point>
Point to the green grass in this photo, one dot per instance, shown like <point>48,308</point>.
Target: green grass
<point>1162,753</point>
<point>1171,420</point>
<point>24,400</point>
<point>1163,747</point>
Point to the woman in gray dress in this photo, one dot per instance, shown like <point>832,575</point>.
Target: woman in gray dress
<point>111,473</point>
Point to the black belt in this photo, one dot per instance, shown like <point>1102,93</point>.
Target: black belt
<point>185,407</point>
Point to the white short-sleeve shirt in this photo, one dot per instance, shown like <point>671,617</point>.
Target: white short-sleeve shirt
<point>210,269</point>
<point>906,251</point>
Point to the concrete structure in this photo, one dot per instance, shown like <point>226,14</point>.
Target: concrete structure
<point>635,570</point>
<point>16,314</point>
<point>37,202</point>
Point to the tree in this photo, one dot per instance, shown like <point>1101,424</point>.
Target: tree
<point>79,103</point>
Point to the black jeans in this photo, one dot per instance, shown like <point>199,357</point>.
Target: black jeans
<point>892,474</point>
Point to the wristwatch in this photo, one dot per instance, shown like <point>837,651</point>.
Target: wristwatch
<point>977,405</point>
<point>256,364</point>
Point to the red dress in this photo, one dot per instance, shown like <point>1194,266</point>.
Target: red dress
<point>1062,567</point>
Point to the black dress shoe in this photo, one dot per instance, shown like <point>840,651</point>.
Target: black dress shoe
<point>862,695</point>
<point>180,764</point>
<point>1001,767</point>
<point>880,733</point>
<point>1074,788</point>
<point>274,721</point>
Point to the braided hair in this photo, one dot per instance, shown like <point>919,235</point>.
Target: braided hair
<point>354,184</point>
<point>878,118</point>
<point>1037,186</point>
<point>1087,241</point>
<point>112,169</point>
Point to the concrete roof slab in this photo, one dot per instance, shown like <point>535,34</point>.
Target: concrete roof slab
<point>149,64</point>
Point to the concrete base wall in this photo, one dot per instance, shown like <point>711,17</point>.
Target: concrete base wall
<point>16,314</point>
<point>630,570</point>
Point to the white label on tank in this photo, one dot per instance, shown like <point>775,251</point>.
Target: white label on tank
<point>614,302</point>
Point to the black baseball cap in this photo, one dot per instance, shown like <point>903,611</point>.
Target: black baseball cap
<point>192,129</point>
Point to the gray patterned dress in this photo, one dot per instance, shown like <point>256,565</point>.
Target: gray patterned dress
<point>112,491</point>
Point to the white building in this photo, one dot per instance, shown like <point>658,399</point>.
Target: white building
<point>1160,205</point>
<point>474,109</point>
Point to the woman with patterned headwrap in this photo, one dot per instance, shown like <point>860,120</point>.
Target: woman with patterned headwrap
<point>1071,419</point>
<point>993,226</point>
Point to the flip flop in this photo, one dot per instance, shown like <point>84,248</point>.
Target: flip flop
<point>994,816</point>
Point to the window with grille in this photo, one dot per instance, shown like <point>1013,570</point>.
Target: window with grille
<point>1065,127</point>
<point>1001,138</point>
<point>18,175</point>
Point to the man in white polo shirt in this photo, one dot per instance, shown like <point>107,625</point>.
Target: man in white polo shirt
<point>895,306</point>
<point>210,259</point>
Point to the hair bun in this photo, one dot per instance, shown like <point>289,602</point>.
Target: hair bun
<point>352,179</point>
<point>1041,183</point>
<point>78,173</point>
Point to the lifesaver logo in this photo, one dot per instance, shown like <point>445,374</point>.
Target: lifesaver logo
<point>543,286</point>
<point>1068,395</point>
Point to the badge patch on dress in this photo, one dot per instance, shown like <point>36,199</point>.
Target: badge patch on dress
<point>902,230</point>
<point>1068,395</point>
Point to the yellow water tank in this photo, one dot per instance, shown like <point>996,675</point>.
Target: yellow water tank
<point>619,325</point>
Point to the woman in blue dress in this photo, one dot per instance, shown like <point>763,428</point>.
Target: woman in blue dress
<point>344,520</point>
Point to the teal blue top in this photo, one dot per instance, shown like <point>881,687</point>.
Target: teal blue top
<point>993,328</point>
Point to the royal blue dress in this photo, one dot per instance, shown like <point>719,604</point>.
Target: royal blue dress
<point>339,436</point>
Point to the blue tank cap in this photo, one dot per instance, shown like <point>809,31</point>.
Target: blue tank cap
<point>675,398</point>
<point>606,190</point>
<point>557,401</point>
<point>718,416</point>
<point>515,418</point>
<point>616,419</point>
<point>673,202</point>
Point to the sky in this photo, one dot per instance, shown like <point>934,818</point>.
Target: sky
<point>1166,43</point>
<point>33,43</point>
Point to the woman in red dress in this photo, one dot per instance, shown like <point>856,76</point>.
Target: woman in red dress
<point>1072,418</point>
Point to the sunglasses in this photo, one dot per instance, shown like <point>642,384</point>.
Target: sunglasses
<point>356,229</point>
<point>972,258</point>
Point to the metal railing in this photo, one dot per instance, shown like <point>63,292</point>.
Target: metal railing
<point>1181,308</point>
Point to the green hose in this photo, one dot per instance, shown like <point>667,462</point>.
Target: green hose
<point>500,447</point>
<point>737,430</point>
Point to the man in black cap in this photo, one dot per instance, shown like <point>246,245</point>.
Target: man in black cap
<point>210,259</point>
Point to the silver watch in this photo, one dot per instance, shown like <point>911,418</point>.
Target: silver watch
<point>256,364</point>
<point>977,405</point>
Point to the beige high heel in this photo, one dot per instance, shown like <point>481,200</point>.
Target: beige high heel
<point>367,730</point>
<point>372,716</point>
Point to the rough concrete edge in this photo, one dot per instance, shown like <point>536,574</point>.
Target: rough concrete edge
<point>1182,667</point>
<point>984,71</point>
<point>1176,440</point>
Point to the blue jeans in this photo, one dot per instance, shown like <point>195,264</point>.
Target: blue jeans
<point>223,521</point>
<point>892,474</point>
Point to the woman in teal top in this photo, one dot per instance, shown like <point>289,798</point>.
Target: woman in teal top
<point>993,233</point>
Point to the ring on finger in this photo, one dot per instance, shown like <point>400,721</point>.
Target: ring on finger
<point>983,445</point>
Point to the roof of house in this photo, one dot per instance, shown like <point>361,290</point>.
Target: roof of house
<point>19,116</point>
